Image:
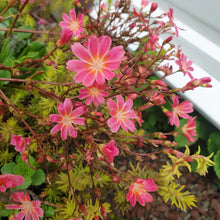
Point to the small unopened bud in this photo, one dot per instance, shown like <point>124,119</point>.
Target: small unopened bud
<point>65,37</point>
<point>24,156</point>
<point>82,208</point>
<point>97,114</point>
<point>115,179</point>
<point>168,40</point>
<point>132,96</point>
<point>153,7</point>
<point>16,72</point>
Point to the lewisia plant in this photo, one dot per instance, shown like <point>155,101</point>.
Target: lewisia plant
<point>99,118</point>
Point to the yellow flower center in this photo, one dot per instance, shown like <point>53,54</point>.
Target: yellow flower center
<point>121,115</point>
<point>66,120</point>
<point>27,206</point>
<point>138,188</point>
<point>97,64</point>
<point>94,91</point>
<point>74,25</point>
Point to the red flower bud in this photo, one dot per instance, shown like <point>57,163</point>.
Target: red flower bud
<point>153,7</point>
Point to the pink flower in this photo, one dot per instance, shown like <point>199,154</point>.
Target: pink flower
<point>8,181</point>
<point>189,130</point>
<point>121,113</point>
<point>171,21</point>
<point>204,82</point>
<point>184,65</point>
<point>144,3</point>
<point>152,42</point>
<point>139,191</point>
<point>72,23</point>
<point>96,61</point>
<point>110,150</point>
<point>19,142</point>
<point>28,208</point>
<point>65,37</point>
<point>66,118</point>
<point>93,94</point>
<point>179,109</point>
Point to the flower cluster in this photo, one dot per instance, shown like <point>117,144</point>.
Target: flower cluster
<point>28,209</point>
<point>100,103</point>
<point>8,181</point>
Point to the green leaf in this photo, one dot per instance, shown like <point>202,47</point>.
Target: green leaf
<point>217,164</point>
<point>181,140</point>
<point>23,35</point>
<point>8,168</point>
<point>49,211</point>
<point>213,143</point>
<point>34,50</point>
<point>38,178</point>
<point>4,74</point>
<point>6,54</point>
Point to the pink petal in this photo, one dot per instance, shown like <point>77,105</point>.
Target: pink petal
<point>80,19</point>
<point>72,132</point>
<point>105,44</point>
<point>89,79</point>
<point>175,101</point>
<point>174,120</point>
<point>56,128</point>
<point>73,14</point>
<point>2,189</point>
<point>115,128</point>
<point>64,131</point>
<point>93,45</point>
<point>68,106</point>
<point>66,18</point>
<point>148,197</point>
<point>112,122</point>
<point>55,118</point>
<point>131,114</point>
<point>81,52</point>
<point>80,76</point>
<point>77,65</point>
<point>129,124</point>
<point>77,112</point>
<point>120,101</point>
<point>140,199</point>
<point>130,196</point>
<point>28,216</point>
<point>60,108</point>
<point>100,78</point>
<point>114,65</point>
<point>89,100</point>
<point>100,99</point>
<point>149,185</point>
<point>12,206</point>
<point>64,25</point>
<point>128,105</point>
<point>111,104</point>
<point>115,54</point>
<point>20,215</point>
<point>109,75</point>
<point>79,121</point>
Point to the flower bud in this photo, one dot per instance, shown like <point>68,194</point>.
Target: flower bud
<point>115,179</point>
<point>168,40</point>
<point>153,7</point>
<point>65,37</point>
